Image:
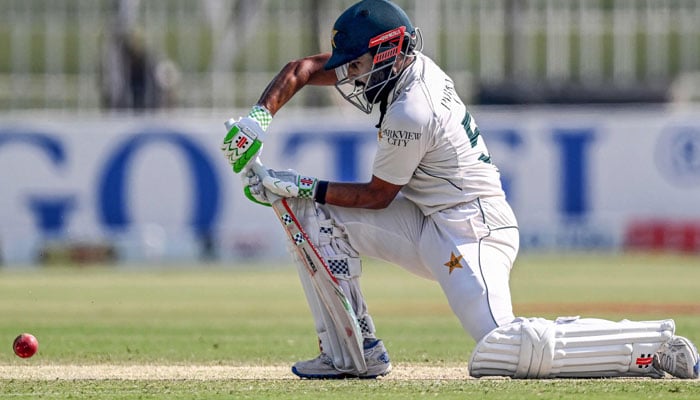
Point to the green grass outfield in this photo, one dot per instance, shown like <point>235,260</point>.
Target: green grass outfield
<point>215,332</point>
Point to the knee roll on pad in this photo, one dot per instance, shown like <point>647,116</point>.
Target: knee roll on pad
<point>570,348</point>
<point>329,239</point>
<point>343,260</point>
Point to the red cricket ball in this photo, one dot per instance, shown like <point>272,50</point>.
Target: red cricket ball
<point>25,345</point>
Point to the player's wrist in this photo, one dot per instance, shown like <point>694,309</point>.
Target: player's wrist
<point>261,115</point>
<point>320,194</point>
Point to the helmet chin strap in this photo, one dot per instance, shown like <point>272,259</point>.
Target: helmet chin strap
<point>382,112</point>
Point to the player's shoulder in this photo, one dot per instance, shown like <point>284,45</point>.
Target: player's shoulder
<point>412,104</point>
<point>404,114</point>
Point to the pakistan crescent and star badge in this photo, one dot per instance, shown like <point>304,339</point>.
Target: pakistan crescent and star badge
<point>333,38</point>
<point>454,262</point>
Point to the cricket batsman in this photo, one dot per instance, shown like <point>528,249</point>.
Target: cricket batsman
<point>434,206</point>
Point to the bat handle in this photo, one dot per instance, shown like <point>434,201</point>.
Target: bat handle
<point>259,168</point>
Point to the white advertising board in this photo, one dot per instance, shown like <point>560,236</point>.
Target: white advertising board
<point>158,188</point>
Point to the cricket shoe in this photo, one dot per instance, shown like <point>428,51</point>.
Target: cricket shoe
<point>678,357</point>
<point>321,367</point>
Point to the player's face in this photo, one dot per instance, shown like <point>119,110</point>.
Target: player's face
<point>360,80</point>
<point>360,67</point>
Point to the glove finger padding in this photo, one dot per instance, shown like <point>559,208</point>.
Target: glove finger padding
<point>281,187</point>
<point>254,189</point>
<point>287,175</point>
<point>290,184</point>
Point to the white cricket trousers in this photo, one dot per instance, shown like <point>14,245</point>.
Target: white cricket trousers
<point>468,249</point>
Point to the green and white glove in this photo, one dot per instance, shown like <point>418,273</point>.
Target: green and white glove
<point>278,184</point>
<point>290,184</point>
<point>244,140</point>
<point>254,189</point>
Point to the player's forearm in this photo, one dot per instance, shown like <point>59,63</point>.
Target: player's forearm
<point>353,195</point>
<point>294,76</point>
<point>361,195</point>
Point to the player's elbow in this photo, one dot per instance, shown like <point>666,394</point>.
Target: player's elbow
<point>293,72</point>
<point>304,70</point>
<point>295,67</point>
<point>310,70</point>
<point>381,193</point>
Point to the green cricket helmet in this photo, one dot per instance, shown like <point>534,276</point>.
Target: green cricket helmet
<point>378,27</point>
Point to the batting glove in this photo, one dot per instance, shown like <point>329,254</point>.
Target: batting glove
<point>290,184</point>
<point>244,140</point>
<point>254,189</point>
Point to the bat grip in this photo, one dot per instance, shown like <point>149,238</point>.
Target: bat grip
<point>259,168</point>
<point>262,173</point>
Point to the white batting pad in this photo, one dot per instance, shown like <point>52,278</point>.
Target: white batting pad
<point>330,340</point>
<point>345,265</point>
<point>571,347</point>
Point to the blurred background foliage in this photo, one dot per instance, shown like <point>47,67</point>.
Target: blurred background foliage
<point>146,54</point>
